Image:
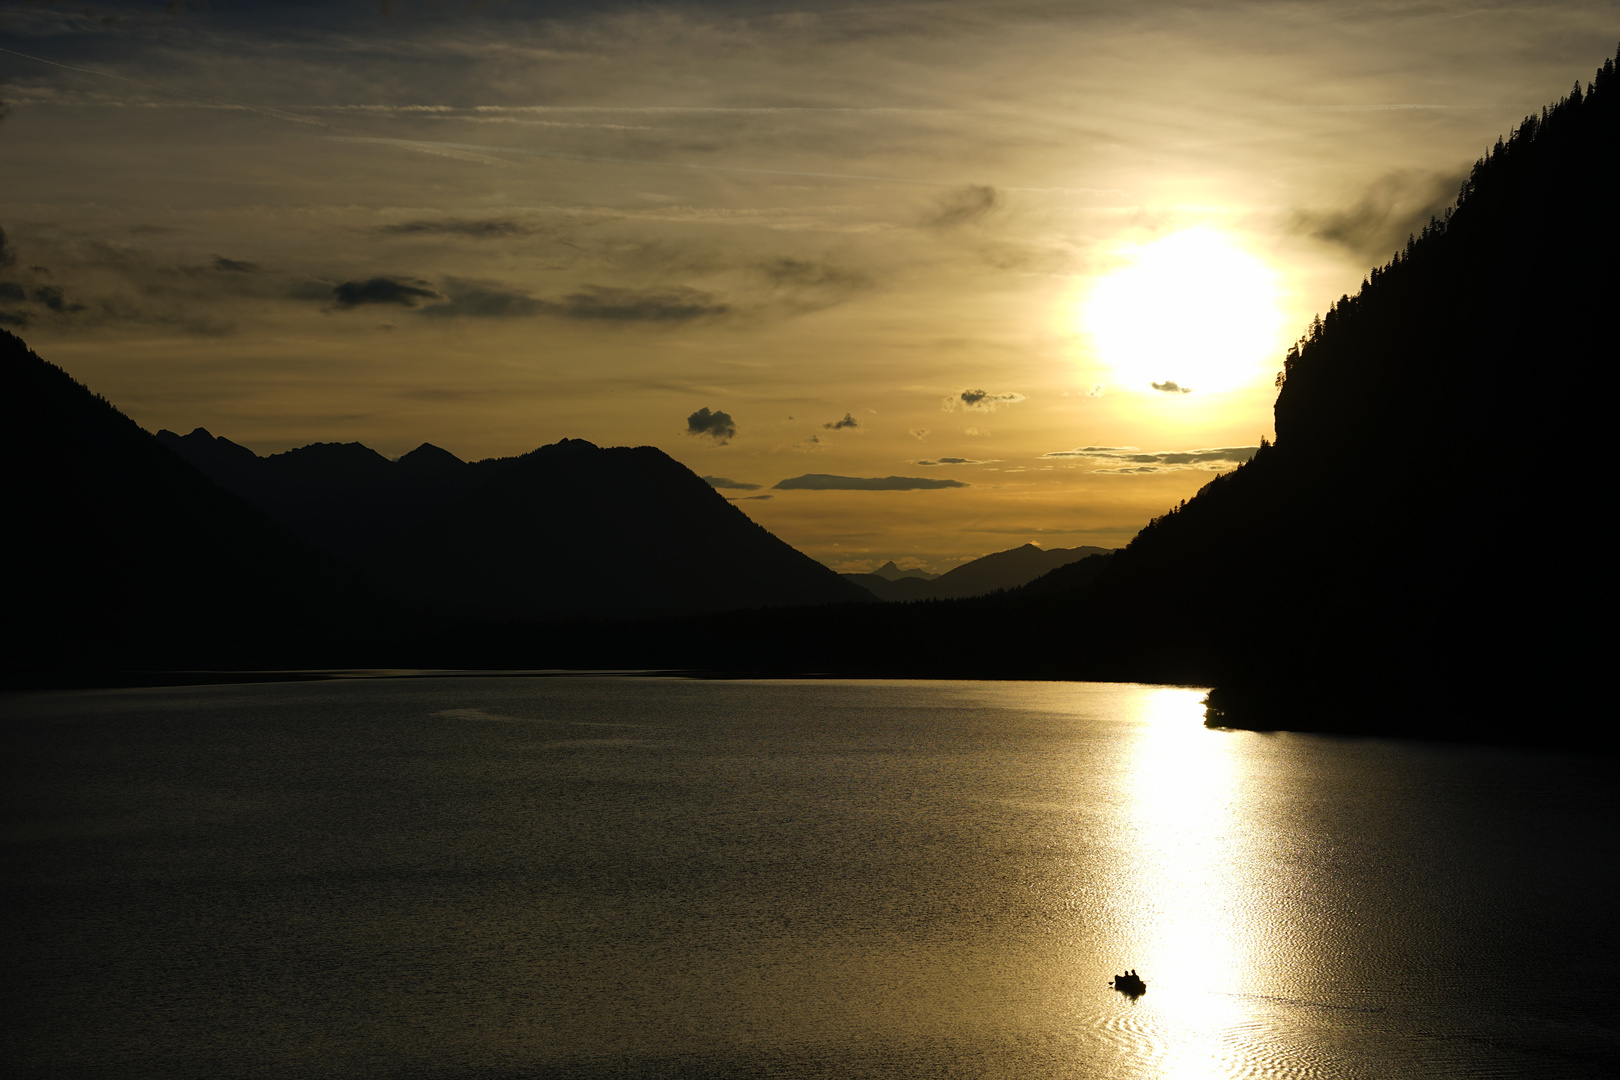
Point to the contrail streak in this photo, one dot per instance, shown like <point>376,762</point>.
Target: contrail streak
<point>431,146</point>
<point>264,110</point>
<point>473,151</point>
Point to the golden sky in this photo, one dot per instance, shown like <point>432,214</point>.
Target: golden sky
<point>949,241</point>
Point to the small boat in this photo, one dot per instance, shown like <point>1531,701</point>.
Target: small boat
<point>1130,984</point>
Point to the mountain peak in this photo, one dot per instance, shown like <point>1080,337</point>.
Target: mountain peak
<point>566,445</point>
<point>891,572</point>
<point>203,445</point>
<point>430,460</point>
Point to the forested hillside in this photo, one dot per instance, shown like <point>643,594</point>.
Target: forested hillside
<point>1419,549</point>
<point>125,557</point>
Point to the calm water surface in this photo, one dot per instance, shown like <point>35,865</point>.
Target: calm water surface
<point>490,878</point>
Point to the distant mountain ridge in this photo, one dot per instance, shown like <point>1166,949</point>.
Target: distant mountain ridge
<point>580,530</point>
<point>1000,570</point>
<point>890,572</point>
<point>135,552</point>
<point>343,497</point>
<point>568,530</point>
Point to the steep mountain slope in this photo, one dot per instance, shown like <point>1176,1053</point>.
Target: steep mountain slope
<point>580,530</point>
<point>1006,570</point>
<point>125,556</point>
<point>1445,410</point>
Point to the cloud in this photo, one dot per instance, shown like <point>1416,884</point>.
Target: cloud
<point>607,304</point>
<point>1128,459</point>
<point>1095,391</point>
<point>718,426</point>
<point>824,482</point>
<point>847,422</point>
<point>748,498</point>
<point>485,300</point>
<point>1393,207</point>
<point>958,461</point>
<point>476,298</point>
<point>803,272</point>
<point>51,296</point>
<point>727,484</point>
<point>919,433</point>
<point>1170,387</point>
<point>806,285</point>
<point>115,284</point>
<point>234,266</point>
<point>965,206</point>
<point>404,292</point>
<point>810,445</point>
<point>979,401</point>
<point>485,229</point>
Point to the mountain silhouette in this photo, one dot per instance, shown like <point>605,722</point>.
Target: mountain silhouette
<point>890,572</point>
<point>343,497</point>
<point>1000,570</point>
<point>124,556</point>
<point>581,530</point>
<point>571,529</point>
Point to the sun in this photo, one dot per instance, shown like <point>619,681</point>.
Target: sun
<point>1192,312</point>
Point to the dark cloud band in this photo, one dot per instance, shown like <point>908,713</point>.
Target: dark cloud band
<point>725,483</point>
<point>401,292</point>
<point>826,482</point>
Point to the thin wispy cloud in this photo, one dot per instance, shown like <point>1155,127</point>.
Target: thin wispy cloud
<point>482,151</point>
<point>1129,459</point>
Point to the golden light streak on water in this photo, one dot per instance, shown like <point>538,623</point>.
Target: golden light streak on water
<point>1189,905</point>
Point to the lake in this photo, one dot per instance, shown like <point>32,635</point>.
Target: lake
<point>646,877</point>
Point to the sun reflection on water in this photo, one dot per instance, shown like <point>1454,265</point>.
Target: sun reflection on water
<point>1185,907</point>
